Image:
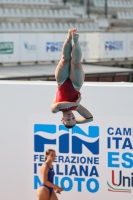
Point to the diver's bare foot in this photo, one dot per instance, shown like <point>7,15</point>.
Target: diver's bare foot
<point>75,37</point>
<point>70,32</point>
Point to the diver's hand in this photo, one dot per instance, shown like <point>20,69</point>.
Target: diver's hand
<point>79,99</point>
<point>58,190</point>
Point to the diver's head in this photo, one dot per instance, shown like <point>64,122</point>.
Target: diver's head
<point>68,119</point>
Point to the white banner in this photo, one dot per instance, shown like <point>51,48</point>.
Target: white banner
<point>94,160</point>
<point>84,43</point>
<point>130,45</point>
<point>94,43</point>
<point>106,46</point>
<point>10,47</point>
<point>46,49</point>
<point>120,45</point>
<point>0,48</point>
<point>28,47</point>
<point>58,41</point>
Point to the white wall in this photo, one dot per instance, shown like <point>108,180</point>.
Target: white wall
<point>22,105</point>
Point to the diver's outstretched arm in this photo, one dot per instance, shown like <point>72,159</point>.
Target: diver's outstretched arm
<point>86,115</point>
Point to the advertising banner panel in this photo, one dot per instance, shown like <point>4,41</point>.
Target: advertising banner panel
<point>94,45</point>
<point>0,53</point>
<point>9,47</point>
<point>46,47</point>
<point>106,46</point>
<point>58,41</point>
<point>120,45</point>
<point>52,50</point>
<point>130,45</point>
<point>28,47</point>
<point>84,43</point>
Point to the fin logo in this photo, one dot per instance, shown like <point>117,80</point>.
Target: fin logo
<point>66,139</point>
<point>114,45</point>
<point>54,46</point>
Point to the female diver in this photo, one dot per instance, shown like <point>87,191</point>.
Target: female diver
<point>69,75</point>
<point>47,190</point>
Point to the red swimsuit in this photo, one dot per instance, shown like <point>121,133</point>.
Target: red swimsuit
<point>66,92</point>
